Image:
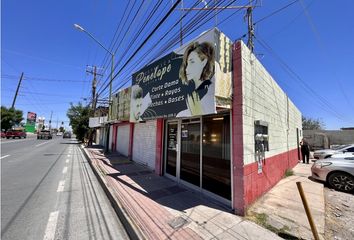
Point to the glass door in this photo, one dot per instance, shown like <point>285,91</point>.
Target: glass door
<point>172,148</point>
<point>190,153</point>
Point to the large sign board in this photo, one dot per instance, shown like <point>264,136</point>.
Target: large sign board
<point>124,104</point>
<point>182,83</point>
<point>31,118</point>
<point>121,105</point>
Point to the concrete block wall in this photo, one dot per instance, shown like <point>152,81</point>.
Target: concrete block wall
<point>256,96</point>
<point>335,137</point>
<point>264,100</point>
<point>144,143</point>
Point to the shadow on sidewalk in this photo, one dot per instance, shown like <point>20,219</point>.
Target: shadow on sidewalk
<point>160,189</point>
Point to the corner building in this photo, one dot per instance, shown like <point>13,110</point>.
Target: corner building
<point>236,151</point>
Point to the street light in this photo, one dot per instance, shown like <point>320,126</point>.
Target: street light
<point>78,27</point>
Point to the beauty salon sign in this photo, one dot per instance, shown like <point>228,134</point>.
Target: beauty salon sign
<point>182,83</point>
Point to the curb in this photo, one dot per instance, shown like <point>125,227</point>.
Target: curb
<point>132,230</point>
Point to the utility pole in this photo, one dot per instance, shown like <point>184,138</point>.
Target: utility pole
<point>94,100</point>
<point>50,120</point>
<point>250,43</point>
<point>18,87</point>
<point>215,8</point>
<point>94,85</point>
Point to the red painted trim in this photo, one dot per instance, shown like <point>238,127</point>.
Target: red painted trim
<point>255,184</point>
<point>114,140</point>
<point>131,135</point>
<point>237,131</point>
<point>159,146</point>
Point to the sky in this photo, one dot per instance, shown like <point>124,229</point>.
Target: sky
<point>307,47</point>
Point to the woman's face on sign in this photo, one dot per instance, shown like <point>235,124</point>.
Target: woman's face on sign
<point>137,108</point>
<point>195,66</point>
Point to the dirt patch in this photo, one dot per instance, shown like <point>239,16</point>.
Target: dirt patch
<point>339,215</point>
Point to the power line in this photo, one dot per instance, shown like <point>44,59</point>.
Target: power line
<point>9,76</point>
<point>144,42</point>
<point>275,12</point>
<point>191,27</point>
<point>324,104</point>
<point>324,51</point>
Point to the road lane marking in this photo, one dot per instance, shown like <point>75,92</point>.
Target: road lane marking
<point>65,170</point>
<point>19,140</point>
<point>67,161</point>
<point>4,156</point>
<point>51,226</point>
<point>41,144</point>
<point>69,155</point>
<point>61,186</point>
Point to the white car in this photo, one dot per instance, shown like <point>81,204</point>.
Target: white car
<point>326,153</point>
<point>59,133</point>
<point>343,155</point>
<point>337,172</point>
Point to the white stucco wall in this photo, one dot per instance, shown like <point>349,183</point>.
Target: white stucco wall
<point>123,139</point>
<point>144,143</point>
<point>264,100</point>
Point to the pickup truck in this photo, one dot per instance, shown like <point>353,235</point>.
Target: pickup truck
<point>44,134</point>
<point>15,133</point>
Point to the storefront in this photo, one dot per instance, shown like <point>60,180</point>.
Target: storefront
<point>197,153</point>
<point>209,116</point>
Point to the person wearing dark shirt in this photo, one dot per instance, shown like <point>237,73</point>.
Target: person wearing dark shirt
<point>305,151</point>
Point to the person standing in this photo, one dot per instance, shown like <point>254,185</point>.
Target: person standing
<point>305,151</point>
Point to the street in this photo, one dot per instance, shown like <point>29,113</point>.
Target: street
<point>48,191</point>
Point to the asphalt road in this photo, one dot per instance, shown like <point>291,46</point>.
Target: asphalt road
<point>48,191</point>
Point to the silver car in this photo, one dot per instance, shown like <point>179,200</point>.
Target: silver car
<point>326,153</point>
<point>337,172</point>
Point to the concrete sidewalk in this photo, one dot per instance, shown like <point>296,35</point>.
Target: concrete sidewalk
<point>283,207</point>
<point>154,207</point>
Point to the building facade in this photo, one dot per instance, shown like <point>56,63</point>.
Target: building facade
<point>233,147</point>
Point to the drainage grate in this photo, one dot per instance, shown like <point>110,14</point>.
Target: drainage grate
<point>177,222</point>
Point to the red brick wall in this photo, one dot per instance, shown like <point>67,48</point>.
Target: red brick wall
<point>255,185</point>
<point>159,146</point>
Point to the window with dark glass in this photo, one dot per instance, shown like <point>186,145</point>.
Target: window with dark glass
<point>190,153</point>
<point>216,155</point>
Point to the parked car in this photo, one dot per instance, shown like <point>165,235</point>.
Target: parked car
<point>326,153</point>
<point>337,172</point>
<point>343,155</point>
<point>44,134</point>
<point>67,135</point>
<point>15,133</point>
<point>3,134</point>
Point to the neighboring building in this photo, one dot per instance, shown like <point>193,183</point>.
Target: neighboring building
<point>320,139</point>
<point>233,141</point>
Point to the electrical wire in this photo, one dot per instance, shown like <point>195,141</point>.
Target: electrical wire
<point>191,24</point>
<point>323,103</point>
<point>144,42</point>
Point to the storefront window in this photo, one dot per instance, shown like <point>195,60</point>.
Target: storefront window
<point>190,153</point>
<point>171,156</point>
<point>216,155</point>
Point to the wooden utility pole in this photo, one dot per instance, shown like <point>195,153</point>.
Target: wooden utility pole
<point>18,87</point>
<point>94,85</point>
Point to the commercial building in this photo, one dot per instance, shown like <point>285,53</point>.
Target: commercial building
<point>209,116</point>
